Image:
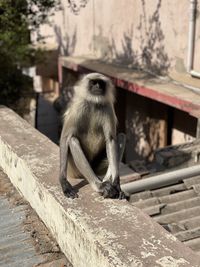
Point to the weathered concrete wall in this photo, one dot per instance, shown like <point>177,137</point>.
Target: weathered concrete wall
<point>152,33</point>
<point>91,231</point>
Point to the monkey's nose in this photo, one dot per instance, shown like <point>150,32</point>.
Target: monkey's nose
<point>97,85</point>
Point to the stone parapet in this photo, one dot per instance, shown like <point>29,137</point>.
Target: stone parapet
<point>90,230</point>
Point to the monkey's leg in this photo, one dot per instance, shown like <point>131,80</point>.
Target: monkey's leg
<point>66,186</point>
<point>83,165</point>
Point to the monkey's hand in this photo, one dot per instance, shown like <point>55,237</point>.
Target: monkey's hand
<point>68,190</point>
<point>112,191</point>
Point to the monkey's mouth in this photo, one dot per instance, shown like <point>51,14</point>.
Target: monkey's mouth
<point>98,91</point>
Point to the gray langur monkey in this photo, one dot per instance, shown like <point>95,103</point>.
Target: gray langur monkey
<point>89,147</point>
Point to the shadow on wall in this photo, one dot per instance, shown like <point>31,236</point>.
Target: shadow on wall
<point>145,127</point>
<point>128,56</point>
<point>143,137</point>
<point>150,56</point>
<point>66,43</point>
<point>154,56</point>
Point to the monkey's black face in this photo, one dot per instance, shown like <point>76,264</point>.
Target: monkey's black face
<point>97,87</point>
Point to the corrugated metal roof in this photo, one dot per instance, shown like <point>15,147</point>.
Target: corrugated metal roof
<point>16,248</point>
<point>176,207</point>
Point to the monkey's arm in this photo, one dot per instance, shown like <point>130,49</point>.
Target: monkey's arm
<point>112,155</point>
<point>111,181</point>
<point>66,186</point>
<point>121,143</point>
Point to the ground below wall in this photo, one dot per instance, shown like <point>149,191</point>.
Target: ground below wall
<point>24,239</point>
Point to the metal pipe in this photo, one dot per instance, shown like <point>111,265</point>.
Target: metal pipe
<point>195,73</point>
<point>191,35</point>
<point>191,39</point>
<point>161,180</point>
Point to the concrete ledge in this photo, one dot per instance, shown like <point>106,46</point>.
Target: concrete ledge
<point>90,231</point>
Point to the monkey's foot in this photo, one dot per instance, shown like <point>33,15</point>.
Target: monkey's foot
<point>71,194</point>
<point>112,191</point>
<point>69,191</point>
<point>122,195</point>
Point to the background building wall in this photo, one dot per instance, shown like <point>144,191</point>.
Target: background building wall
<point>151,33</point>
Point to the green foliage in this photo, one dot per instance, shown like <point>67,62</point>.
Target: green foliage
<point>13,84</point>
<point>18,18</point>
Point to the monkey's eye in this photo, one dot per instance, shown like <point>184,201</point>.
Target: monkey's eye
<point>98,82</point>
<point>91,82</point>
